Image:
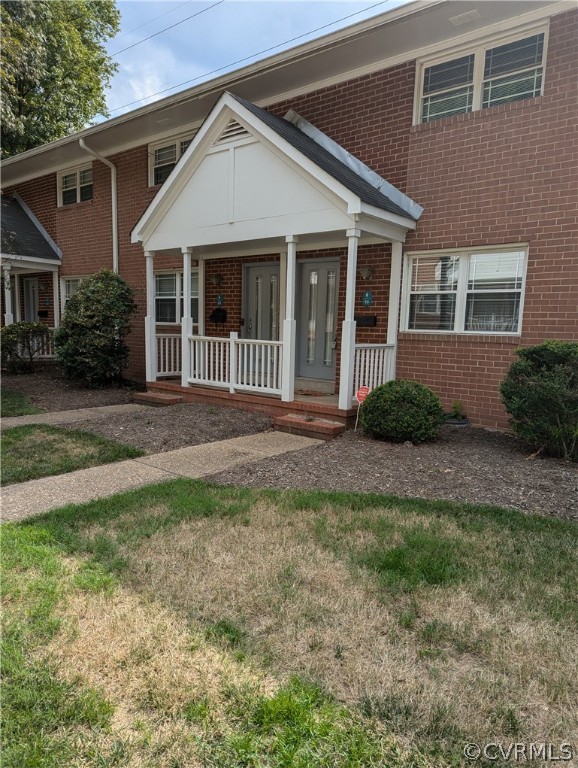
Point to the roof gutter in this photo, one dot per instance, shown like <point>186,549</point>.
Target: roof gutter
<point>114,200</point>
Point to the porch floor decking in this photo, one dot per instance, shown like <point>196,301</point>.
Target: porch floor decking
<point>316,406</point>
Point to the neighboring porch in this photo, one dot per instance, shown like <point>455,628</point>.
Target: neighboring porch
<point>269,218</point>
<point>30,263</point>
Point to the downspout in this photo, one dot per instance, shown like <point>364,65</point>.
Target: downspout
<point>114,199</point>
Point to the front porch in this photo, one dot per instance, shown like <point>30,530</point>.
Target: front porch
<point>269,217</point>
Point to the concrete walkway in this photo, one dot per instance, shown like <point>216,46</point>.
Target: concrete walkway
<point>35,496</point>
<point>66,417</point>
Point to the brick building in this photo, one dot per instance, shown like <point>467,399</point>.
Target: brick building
<point>396,199</point>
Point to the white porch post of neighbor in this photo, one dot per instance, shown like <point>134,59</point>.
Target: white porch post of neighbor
<point>8,315</point>
<point>55,298</point>
<point>348,332</point>
<point>394,292</point>
<point>201,320</point>
<point>150,319</point>
<point>289,323</point>
<point>187,322</point>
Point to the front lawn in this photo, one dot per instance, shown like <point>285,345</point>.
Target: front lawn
<point>16,404</point>
<point>191,624</point>
<point>39,450</point>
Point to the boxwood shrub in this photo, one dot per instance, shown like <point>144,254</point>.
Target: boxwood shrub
<point>402,410</point>
<point>540,393</point>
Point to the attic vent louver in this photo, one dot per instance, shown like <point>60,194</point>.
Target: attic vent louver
<point>232,132</point>
<point>465,18</point>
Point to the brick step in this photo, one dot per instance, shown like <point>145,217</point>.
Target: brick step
<point>308,426</point>
<point>156,398</point>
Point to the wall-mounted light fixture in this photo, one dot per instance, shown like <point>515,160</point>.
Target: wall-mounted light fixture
<point>217,279</point>
<point>366,272</point>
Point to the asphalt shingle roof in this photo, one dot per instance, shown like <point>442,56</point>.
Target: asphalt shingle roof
<point>324,159</point>
<point>19,234</point>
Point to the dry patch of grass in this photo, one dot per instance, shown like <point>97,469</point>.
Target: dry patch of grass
<point>167,685</point>
<point>38,450</point>
<point>440,663</point>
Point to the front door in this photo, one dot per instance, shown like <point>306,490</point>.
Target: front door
<point>317,320</point>
<point>261,313</point>
<point>31,299</point>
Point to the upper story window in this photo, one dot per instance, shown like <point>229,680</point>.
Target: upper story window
<point>468,291</point>
<point>75,186</point>
<point>480,78</point>
<point>163,157</point>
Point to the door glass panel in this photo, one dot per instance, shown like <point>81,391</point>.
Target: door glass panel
<point>312,316</point>
<point>258,308</point>
<point>329,318</point>
<point>274,307</point>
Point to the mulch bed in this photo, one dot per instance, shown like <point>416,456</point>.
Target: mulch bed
<point>48,389</point>
<point>465,464</point>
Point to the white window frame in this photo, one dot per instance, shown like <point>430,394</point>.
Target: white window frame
<point>177,141</point>
<point>63,291</point>
<point>68,172</point>
<point>178,293</point>
<point>479,52</point>
<point>461,289</point>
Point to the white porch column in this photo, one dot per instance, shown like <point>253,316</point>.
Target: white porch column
<point>394,293</point>
<point>282,290</point>
<point>186,322</point>
<point>55,298</point>
<point>201,325</point>
<point>348,330</point>
<point>289,323</point>
<point>8,314</point>
<point>150,319</point>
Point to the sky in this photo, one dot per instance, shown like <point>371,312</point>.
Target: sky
<point>221,36</point>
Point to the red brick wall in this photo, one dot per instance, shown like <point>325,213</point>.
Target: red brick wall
<point>502,175</point>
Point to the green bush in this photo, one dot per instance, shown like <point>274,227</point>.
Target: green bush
<point>540,393</point>
<point>21,343</point>
<point>400,411</point>
<point>90,343</point>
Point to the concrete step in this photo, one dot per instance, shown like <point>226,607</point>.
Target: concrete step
<point>308,426</point>
<point>156,398</point>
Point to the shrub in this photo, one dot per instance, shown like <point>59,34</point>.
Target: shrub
<point>21,343</point>
<point>540,393</point>
<point>400,411</point>
<point>90,343</point>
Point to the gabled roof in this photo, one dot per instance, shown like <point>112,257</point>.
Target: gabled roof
<point>344,188</point>
<point>325,160</point>
<point>22,235</point>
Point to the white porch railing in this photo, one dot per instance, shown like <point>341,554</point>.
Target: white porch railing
<point>169,354</point>
<point>374,365</point>
<point>47,346</point>
<point>236,364</point>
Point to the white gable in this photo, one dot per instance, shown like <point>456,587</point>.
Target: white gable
<point>242,190</point>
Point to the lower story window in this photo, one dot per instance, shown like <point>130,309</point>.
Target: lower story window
<point>68,287</point>
<point>169,297</point>
<point>469,291</point>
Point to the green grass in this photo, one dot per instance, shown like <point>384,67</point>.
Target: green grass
<point>35,450</point>
<point>16,404</point>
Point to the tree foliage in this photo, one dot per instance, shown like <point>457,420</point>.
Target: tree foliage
<point>54,68</point>
<point>540,393</point>
<point>90,343</point>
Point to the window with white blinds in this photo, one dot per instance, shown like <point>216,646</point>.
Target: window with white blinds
<point>482,78</point>
<point>163,157</point>
<point>479,291</point>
